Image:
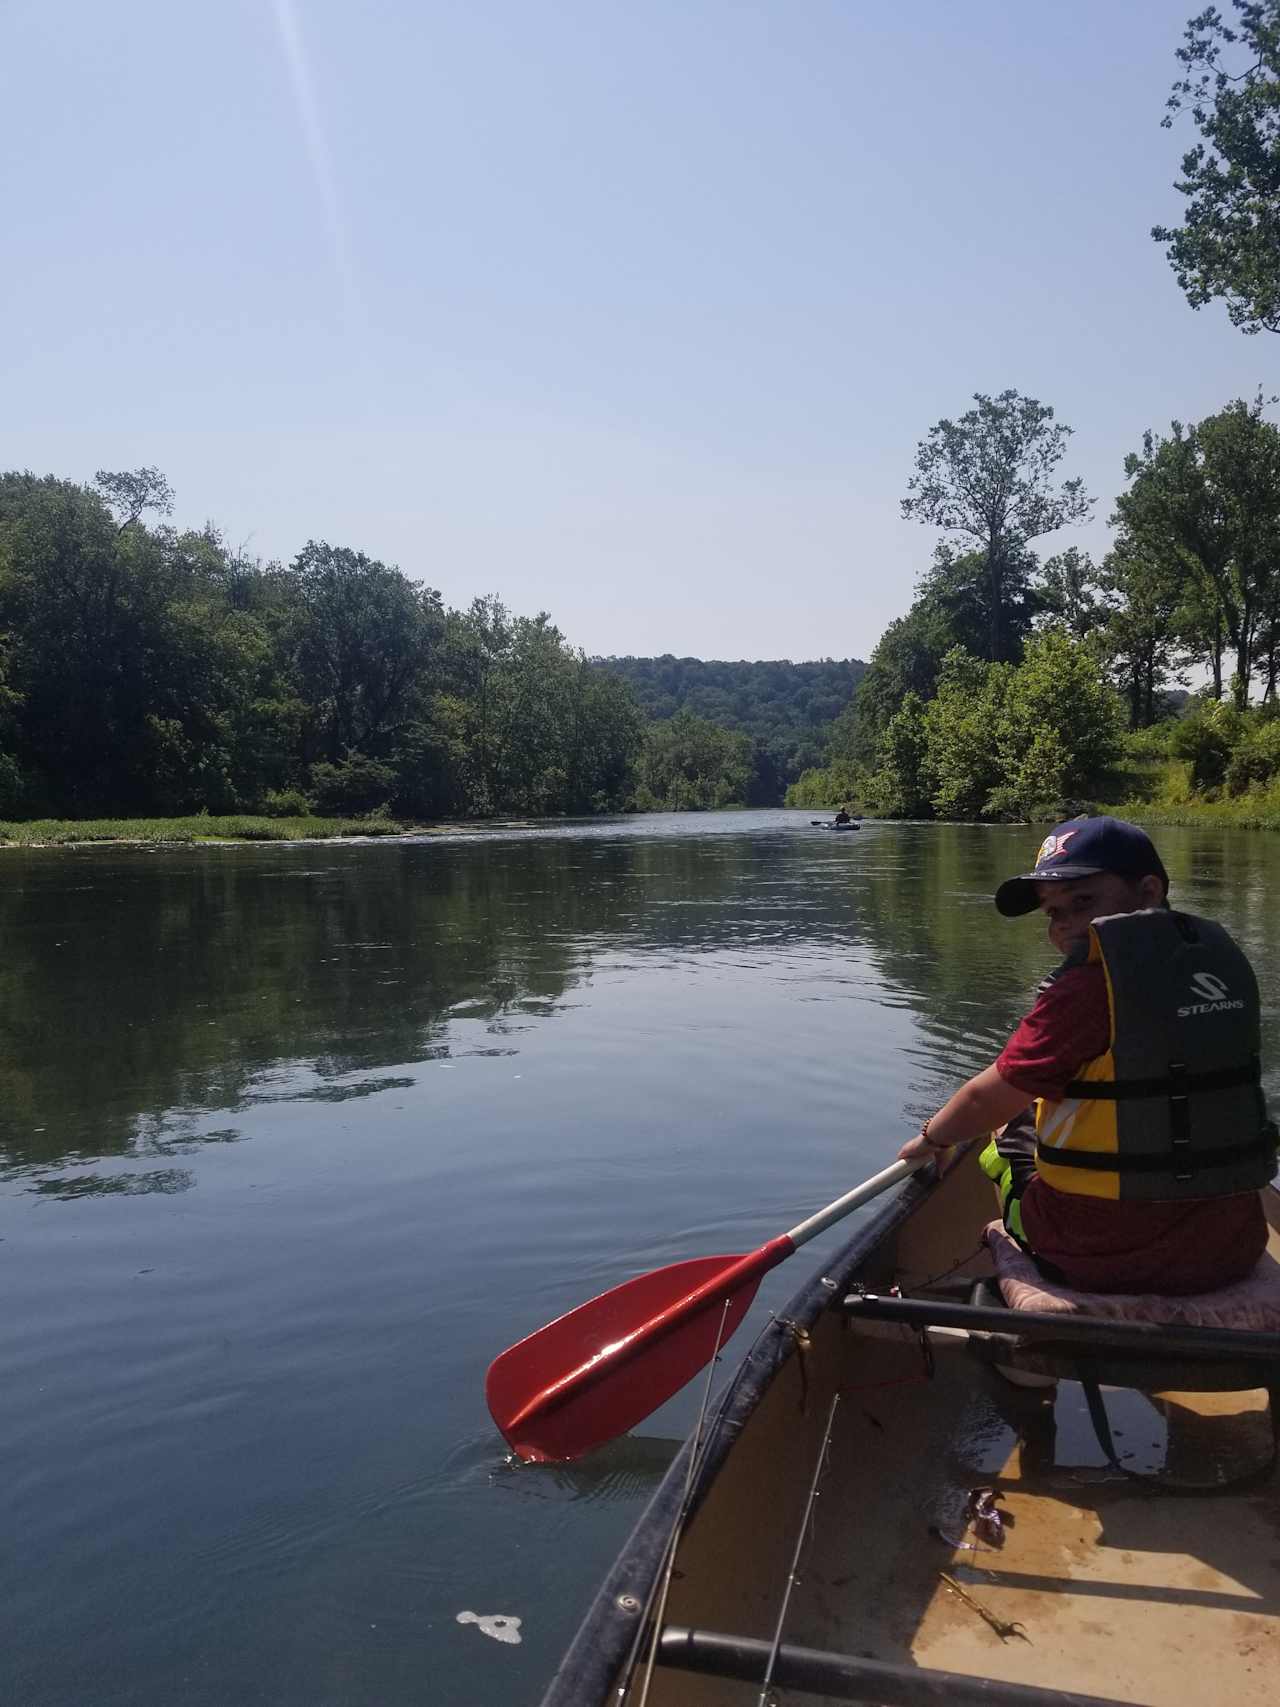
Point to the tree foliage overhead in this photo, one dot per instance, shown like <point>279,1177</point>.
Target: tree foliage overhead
<point>991,478</point>
<point>1228,244</point>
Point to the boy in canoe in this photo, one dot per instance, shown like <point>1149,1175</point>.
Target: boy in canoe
<point>1138,1165</point>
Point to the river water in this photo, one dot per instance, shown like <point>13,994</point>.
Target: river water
<point>294,1139</point>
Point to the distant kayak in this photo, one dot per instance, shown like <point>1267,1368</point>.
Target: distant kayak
<point>822,824</point>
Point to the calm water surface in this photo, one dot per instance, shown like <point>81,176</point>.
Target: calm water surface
<point>294,1139</point>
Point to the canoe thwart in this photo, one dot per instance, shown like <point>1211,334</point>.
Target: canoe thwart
<point>846,1677</point>
<point>1083,1334</point>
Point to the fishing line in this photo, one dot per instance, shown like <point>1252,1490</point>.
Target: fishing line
<point>819,1470</point>
<point>661,1584</point>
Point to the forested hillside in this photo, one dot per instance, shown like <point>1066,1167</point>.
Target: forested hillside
<point>785,708</point>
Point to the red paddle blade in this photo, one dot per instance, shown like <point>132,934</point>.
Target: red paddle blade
<point>595,1373</point>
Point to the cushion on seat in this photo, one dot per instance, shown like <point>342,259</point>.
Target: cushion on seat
<point>1252,1303</point>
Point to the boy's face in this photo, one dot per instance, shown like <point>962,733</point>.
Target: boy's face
<point>1072,907</point>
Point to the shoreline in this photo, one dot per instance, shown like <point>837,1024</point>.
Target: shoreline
<point>231,830</point>
<point>1240,813</point>
<point>234,830</point>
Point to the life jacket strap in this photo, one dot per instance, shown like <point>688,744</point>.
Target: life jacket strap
<point>1193,1156</point>
<point>1176,1083</point>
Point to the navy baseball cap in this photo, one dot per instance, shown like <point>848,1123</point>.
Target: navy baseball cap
<point>1082,847</point>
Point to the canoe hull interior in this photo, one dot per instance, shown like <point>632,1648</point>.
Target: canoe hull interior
<point>1122,1594</point>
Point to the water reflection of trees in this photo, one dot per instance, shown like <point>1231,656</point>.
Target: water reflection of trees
<point>147,998</point>
<point>937,937</point>
<point>142,992</point>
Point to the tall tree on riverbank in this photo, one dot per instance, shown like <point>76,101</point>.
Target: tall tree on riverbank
<point>1205,501</point>
<point>1228,245</point>
<point>361,634</point>
<point>990,477</point>
<point>952,607</point>
<point>129,689</point>
<point>1139,637</point>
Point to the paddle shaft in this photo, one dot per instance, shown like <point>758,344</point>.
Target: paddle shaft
<point>741,1272</point>
<point>849,1202</point>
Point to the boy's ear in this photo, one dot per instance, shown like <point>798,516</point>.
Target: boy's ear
<point>1151,890</point>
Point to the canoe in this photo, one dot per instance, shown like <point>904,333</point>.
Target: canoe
<point>821,1524</point>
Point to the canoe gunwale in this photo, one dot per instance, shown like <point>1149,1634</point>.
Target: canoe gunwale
<point>605,1635</point>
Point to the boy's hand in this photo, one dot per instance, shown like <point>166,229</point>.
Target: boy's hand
<point>922,1148</point>
<point>919,1146</point>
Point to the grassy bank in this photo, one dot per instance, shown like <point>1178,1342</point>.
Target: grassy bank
<point>1160,791</point>
<point>1246,812</point>
<point>55,832</point>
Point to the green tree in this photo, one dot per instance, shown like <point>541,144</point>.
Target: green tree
<point>1140,626</point>
<point>1002,741</point>
<point>951,608</point>
<point>1058,730</point>
<point>111,670</point>
<point>12,784</point>
<point>1207,499</point>
<point>692,765</point>
<point>906,659</point>
<point>963,765</point>
<point>360,636</point>
<point>130,494</point>
<point>356,784</point>
<point>1228,245</point>
<point>1070,593</point>
<point>901,788</point>
<point>606,738</point>
<point>1207,736</point>
<point>990,477</point>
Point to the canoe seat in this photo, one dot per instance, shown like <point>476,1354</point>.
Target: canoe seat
<point>1247,1307</point>
<point>1090,1338</point>
<point>1251,1305</point>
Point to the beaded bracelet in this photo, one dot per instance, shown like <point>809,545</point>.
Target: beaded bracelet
<point>931,1142</point>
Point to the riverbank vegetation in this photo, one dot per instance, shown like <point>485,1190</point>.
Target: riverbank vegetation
<point>1016,687</point>
<point>147,672</point>
<point>202,827</point>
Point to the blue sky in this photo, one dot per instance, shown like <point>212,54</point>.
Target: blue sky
<point>633,312</point>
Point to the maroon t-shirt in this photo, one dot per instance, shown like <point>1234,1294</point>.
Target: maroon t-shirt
<point>1101,1244</point>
